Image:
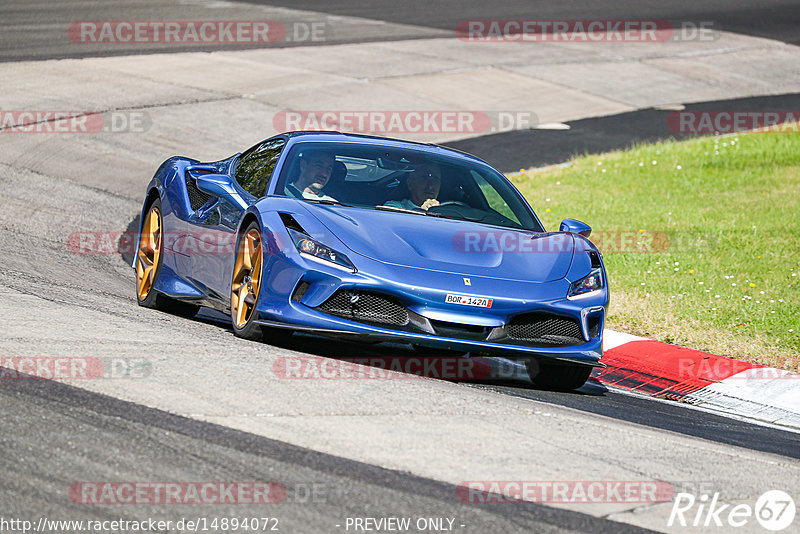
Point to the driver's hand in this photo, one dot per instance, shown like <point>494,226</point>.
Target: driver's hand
<point>431,202</point>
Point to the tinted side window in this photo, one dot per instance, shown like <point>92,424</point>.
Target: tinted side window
<point>255,168</point>
<point>494,199</point>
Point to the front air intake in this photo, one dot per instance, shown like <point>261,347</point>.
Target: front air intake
<point>365,307</point>
<point>545,329</point>
<point>594,257</point>
<point>300,290</point>
<point>290,223</point>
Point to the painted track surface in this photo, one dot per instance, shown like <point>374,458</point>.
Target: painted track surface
<point>209,407</point>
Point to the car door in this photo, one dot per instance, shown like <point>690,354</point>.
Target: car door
<point>214,226</point>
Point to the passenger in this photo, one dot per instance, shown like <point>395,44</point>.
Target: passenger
<point>316,167</point>
<point>423,188</point>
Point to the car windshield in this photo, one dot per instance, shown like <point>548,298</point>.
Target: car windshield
<point>414,182</point>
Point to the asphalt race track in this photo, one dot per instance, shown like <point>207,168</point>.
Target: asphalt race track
<point>185,401</point>
<point>31,30</point>
<point>518,149</point>
<point>774,19</point>
<point>147,444</point>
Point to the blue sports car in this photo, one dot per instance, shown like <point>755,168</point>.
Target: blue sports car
<point>377,239</point>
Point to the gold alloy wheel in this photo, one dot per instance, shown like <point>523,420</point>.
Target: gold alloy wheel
<point>246,278</point>
<point>148,253</point>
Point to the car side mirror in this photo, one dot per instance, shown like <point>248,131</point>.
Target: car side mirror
<point>219,185</point>
<point>576,227</point>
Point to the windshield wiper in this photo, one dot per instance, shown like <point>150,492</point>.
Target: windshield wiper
<point>326,201</point>
<point>406,210</point>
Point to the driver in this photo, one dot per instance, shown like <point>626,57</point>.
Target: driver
<point>316,167</point>
<point>423,188</point>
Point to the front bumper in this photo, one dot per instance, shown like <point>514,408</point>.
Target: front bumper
<point>588,354</point>
<point>424,297</point>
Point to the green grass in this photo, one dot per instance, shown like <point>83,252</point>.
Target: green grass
<point>717,220</point>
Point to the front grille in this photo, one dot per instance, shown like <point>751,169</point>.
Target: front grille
<point>545,329</point>
<point>365,307</point>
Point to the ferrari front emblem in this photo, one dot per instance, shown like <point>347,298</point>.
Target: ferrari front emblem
<point>467,282</point>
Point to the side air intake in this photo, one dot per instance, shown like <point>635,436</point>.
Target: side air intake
<point>197,198</point>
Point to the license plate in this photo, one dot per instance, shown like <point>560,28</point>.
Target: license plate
<point>480,302</point>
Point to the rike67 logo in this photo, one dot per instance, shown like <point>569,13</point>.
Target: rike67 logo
<point>774,510</point>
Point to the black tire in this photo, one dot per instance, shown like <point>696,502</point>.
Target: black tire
<point>153,299</point>
<point>251,331</point>
<point>557,376</point>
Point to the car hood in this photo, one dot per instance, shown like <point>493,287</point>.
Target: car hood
<point>446,245</point>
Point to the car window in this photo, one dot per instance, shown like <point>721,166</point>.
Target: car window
<point>363,169</point>
<point>255,167</point>
<point>405,180</point>
<point>493,198</point>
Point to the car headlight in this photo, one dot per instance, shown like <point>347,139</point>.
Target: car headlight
<point>592,282</point>
<point>314,250</point>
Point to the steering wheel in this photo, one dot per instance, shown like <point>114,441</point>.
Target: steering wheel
<point>461,210</point>
<point>453,203</point>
